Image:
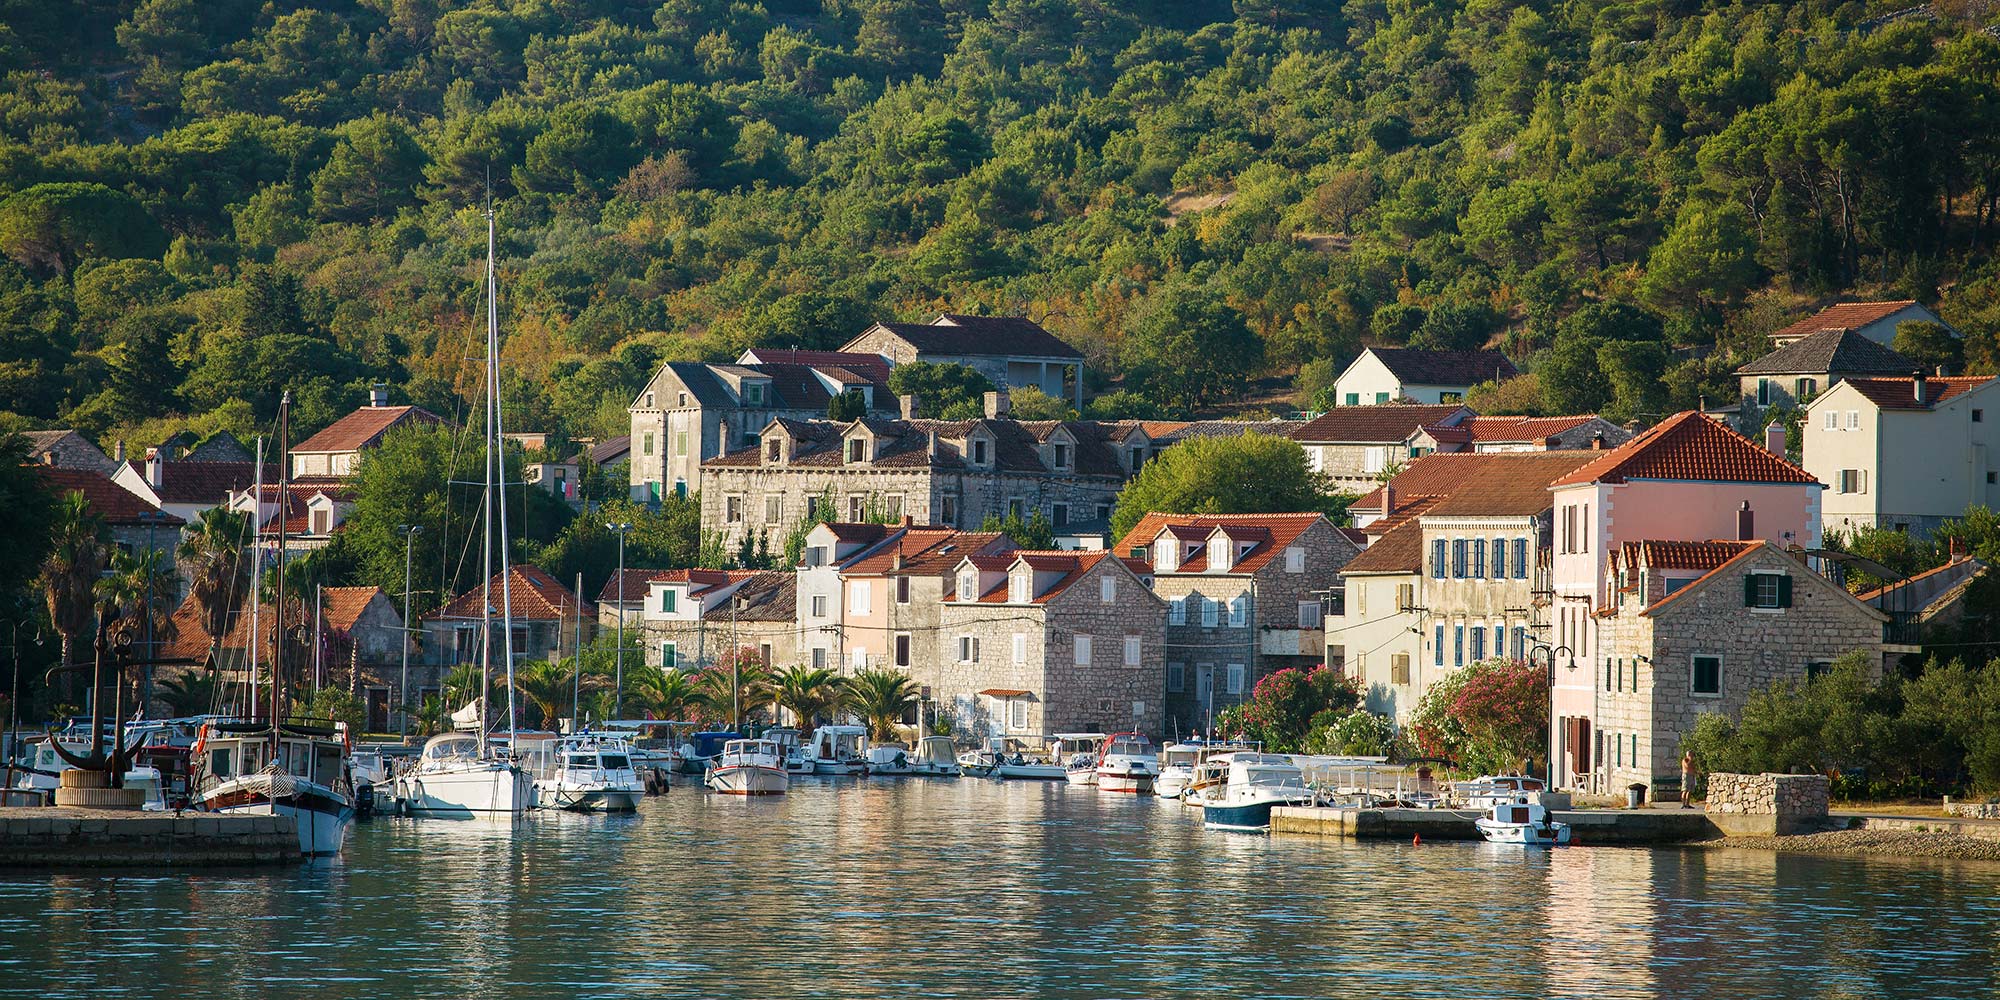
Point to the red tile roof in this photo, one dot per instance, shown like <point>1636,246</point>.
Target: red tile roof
<point>1749,550</point>
<point>536,596</point>
<point>1072,564</point>
<point>1688,446</point>
<point>637,583</point>
<point>1520,428</point>
<point>927,552</point>
<point>1272,533</point>
<point>1660,554</point>
<point>1843,316</point>
<point>1382,422</point>
<point>1901,393</point>
<point>203,482</point>
<point>1500,484</point>
<point>364,427</point>
<point>115,504</point>
<point>342,607</point>
<point>1400,550</point>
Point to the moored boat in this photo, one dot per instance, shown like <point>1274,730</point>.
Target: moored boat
<point>452,779</point>
<point>838,750</point>
<point>701,749</point>
<point>888,760</point>
<point>297,769</point>
<point>749,767</point>
<point>1524,822</point>
<point>1253,783</point>
<point>1177,763</point>
<point>590,773</point>
<point>1127,764</point>
<point>936,757</point>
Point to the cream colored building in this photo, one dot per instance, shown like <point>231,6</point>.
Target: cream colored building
<point>1903,453</point>
<point>1394,374</point>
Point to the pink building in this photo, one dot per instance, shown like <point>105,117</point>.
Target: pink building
<point>1689,478</point>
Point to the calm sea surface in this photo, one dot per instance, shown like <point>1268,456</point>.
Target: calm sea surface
<point>884,888</point>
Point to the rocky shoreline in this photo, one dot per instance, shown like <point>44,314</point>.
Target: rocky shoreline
<point>1890,843</point>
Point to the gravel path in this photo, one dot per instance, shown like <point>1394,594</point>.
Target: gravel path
<point>1901,843</point>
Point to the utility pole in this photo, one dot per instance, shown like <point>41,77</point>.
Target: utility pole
<point>410,532</point>
<point>618,676</point>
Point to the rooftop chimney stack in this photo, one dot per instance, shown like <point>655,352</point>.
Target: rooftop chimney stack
<point>1597,441</point>
<point>1388,499</point>
<point>998,406</point>
<point>156,467</point>
<point>1746,523</point>
<point>378,395</point>
<point>1917,386</point>
<point>1774,438</point>
<point>118,452</point>
<point>909,406</point>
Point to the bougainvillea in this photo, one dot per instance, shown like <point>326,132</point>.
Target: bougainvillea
<point>1280,710</point>
<point>1487,717</point>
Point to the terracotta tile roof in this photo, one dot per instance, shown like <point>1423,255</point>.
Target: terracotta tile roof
<point>342,607</point>
<point>364,427</point>
<point>1501,482</point>
<point>1384,422</point>
<point>1498,429</point>
<point>1416,367</point>
<point>1272,533</point>
<point>1666,554</point>
<point>849,531</point>
<point>1688,446</point>
<point>1400,550</point>
<point>203,482</point>
<point>1831,352</point>
<point>926,552</point>
<point>115,504</point>
<point>637,583</point>
<point>906,444</point>
<point>1072,564</point>
<point>1407,508</point>
<point>536,597</point>
<point>1844,316</point>
<point>1901,393</point>
<point>1752,550</point>
<point>611,449</point>
<point>982,336</point>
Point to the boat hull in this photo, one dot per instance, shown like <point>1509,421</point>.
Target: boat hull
<point>1523,834</point>
<point>1247,817</point>
<point>1086,778</point>
<point>838,768</point>
<point>571,799</point>
<point>1125,780</point>
<point>749,779</point>
<point>478,791</point>
<point>321,815</point>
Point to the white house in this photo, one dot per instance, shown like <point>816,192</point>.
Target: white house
<point>1391,374</point>
<point>1903,453</point>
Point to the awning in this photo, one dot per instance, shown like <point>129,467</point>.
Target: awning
<point>1005,693</point>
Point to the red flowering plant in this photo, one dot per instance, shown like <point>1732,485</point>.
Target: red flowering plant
<point>1488,717</point>
<point>1285,705</point>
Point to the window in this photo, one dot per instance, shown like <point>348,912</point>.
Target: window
<point>979,451</point>
<point>670,654</point>
<point>857,450</point>
<point>753,393</point>
<point>968,586</point>
<point>1295,560</point>
<point>1218,554</point>
<point>1373,460</point>
<point>1804,388</point>
<point>1235,681</point>
<point>1381,397</point>
<point>1853,481</point>
<point>892,507</point>
<point>1566,537</point>
<point>1978,416</point>
<point>819,657</point>
<point>646,443</point>
<point>774,509</point>
<point>1239,611</point>
<point>732,510</point>
<point>1399,668</point>
<point>1437,647</point>
<point>948,511</point>
<point>1705,677</point>
<point>968,649</point>
<point>1478,559</point>
<point>1059,515</point>
<point>1831,421</point>
<point>1816,668</point>
<point>860,597</point>
<point>860,659</point>
<point>1406,596</point>
<point>774,450</point>
<point>1131,650</point>
<point>649,401</point>
<point>1991,479</point>
<point>1107,589</point>
<point>1520,644</point>
<point>1520,558</point>
<point>1458,645</point>
<point>1618,675</point>
<point>764,653</point>
<point>1020,648</point>
<point>1437,559</point>
<point>1499,558</point>
<point>1016,509</point>
<point>1082,648</point>
<point>1499,640</point>
<point>1177,611</point>
<point>1017,714</point>
<point>1854,420</point>
<point>902,590</point>
<point>1176,678</point>
<point>1061,453</point>
<point>857,508</point>
<point>1020,587</point>
<point>1458,558</point>
<point>1138,458</point>
<point>1767,590</point>
<point>680,443</point>
<point>1309,614</point>
<point>819,605</point>
<point>1478,643</point>
<point>1211,611</point>
<point>1763,392</point>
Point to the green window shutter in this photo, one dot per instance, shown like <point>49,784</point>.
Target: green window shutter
<point>1785,591</point>
<point>1750,590</point>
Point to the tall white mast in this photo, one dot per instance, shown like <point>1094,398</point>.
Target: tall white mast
<point>486,519</point>
<point>256,571</point>
<point>496,468</point>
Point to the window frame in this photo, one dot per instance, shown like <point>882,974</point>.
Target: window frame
<point>1694,663</point>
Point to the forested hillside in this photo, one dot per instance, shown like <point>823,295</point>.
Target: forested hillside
<point>208,199</point>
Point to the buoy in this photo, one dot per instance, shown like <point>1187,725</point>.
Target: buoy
<point>1416,839</point>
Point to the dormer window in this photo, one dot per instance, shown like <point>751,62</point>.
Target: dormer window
<point>1138,458</point>
<point>753,394</point>
<point>1218,553</point>
<point>968,586</point>
<point>774,450</point>
<point>1060,452</point>
<point>1020,587</point>
<point>1163,557</point>
<point>857,450</point>
<point>979,451</point>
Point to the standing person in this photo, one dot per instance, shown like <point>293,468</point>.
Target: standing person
<point>1687,779</point>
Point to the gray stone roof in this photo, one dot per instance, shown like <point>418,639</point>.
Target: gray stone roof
<point>1831,351</point>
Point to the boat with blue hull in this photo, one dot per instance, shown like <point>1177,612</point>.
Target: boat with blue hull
<point>1255,783</point>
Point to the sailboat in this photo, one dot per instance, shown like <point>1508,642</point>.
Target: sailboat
<point>461,775</point>
<point>277,766</point>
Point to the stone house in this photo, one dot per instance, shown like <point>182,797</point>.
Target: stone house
<point>336,450</point>
<point>1395,374</point>
<point>68,450</point>
<point>360,646</point>
<point>819,600</point>
<point>314,509</point>
<point>1693,628</point>
<point>1246,596</point>
<point>1355,445</point>
<point>1041,642</point>
<point>544,616</point>
<point>950,473</point>
<point>892,593</point>
<point>1011,351</point>
<point>186,488</point>
<point>1492,434</point>
<point>1876,321</point>
<point>1792,374</point>
<point>691,412</point>
<point>690,619</point>
<point>1904,453</point>
<point>1688,478</point>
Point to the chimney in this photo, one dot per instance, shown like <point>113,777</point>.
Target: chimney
<point>118,452</point>
<point>1774,438</point>
<point>1388,499</point>
<point>156,467</point>
<point>378,395</point>
<point>909,406</point>
<point>997,405</point>
<point>1746,523</point>
<point>1917,386</point>
<point>1597,441</point>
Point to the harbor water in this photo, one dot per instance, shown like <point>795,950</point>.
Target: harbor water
<point>882,888</point>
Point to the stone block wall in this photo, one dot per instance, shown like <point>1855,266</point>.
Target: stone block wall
<point>55,837</point>
<point>1790,802</point>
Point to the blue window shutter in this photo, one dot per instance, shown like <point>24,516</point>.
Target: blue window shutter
<point>1437,559</point>
<point>1479,558</point>
<point>1438,646</point>
<point>1520,558</point>
<point>1499,558</point>
<point>1458,645</point>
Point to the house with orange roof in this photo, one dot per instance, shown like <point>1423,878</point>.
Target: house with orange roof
<point>1689,477</point>
<point>1876,321</point>
<point>1904,453</point>
<point>689,619</point>
<point>336,450</point>
<point>891,597</point>
<point>1246,597</point>
<point>1041,642</point>
<point>1694,628</point>
<point>1512,433</point>
<point>544,614</point>
<point>352,636</point>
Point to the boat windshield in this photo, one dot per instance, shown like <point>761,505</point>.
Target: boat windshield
<point>463,747</point>
<point>616,761</point>
<point>582,760</point>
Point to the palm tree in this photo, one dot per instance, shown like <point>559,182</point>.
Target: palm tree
<point>79,546</point>
<point>430,715</point>
<point>191,693</point>
<point>665,692</point>
<point>810,693</point>
<point>550,687</point>
<point>461,686</point>
<point>211,555</point>
<point>140,588</point>
<point>881,698</point>
<point>753,689</point>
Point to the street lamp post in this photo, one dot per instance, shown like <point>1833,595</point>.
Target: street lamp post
<point>410,532</point>
<point>14,692</point>
<point>618,675</point>
<point>1555,733</point>
<point>152,566</point>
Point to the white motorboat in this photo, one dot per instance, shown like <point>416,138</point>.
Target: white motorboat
<point>749,767</point>
<point>1177,763</point>
<point>838,750</point>
<point>589,773</point>
<point>1523,822</point>
<point>998,761</point>
<point>297,769</point>
<point>1253,783</point>
<point>452,779</point>
<point>889,760</point>
<point>790,750</point>
<point>1127,764</point>
<point>1492,790</point>
<point>935,757</point>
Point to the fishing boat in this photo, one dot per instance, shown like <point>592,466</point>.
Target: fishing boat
<point>589,773</point>
<point>1127,764</point>
<point>296,768</point>
<point>1253,783</point>
<point>1177,763</point>
<point>698,752</point>
<point>839,750</point>
<point>1524,822</point>
<point>749,767</point>
<point>935,757</point>
<point>792,753</point>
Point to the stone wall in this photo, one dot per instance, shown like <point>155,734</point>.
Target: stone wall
<point>46,837</point>
<point>1973,810</point>
<point>1791,803</point>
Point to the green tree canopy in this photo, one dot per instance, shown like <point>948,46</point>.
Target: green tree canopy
<point>944,390</point>
<point>54,226</point>
<point>1251,474</point>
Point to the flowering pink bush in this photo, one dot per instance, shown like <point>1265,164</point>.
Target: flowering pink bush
<point>1280,710</point>
<point>1487,716</point>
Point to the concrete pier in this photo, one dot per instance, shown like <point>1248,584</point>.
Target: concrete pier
<point>66,837</point>
<point>1587,826</point>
